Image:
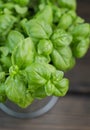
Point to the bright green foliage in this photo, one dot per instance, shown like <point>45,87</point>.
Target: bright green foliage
<point>6,23</point>
<point>14,37</point>
<point>22,2</point>
<point>37,29</point>
<point>45,76</point>
<point>23,54</point>
<point>61,38</point>
<point>61,58</point>
<point>71,4</point>
<point>39,41</point>
<point>17,91</point>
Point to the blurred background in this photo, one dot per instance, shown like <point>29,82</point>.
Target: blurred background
<point>79,75</point>
<point>71,112</point>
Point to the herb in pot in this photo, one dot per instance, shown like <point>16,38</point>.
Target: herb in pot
<point>39,41</point>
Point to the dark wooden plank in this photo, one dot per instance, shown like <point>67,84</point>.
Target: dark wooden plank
<point>71,112</point>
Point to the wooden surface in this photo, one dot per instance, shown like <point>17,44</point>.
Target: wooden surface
<point>71,112</point>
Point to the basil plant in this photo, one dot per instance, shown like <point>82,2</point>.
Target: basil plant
<point>39,42</point>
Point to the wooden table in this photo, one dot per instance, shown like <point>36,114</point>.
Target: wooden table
<point>71,112</point>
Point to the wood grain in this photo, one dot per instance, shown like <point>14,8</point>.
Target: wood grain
<point>71,112</point>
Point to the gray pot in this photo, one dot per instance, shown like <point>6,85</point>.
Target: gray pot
<point>36,109</point>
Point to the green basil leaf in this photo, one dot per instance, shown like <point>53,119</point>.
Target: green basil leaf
<point>61,38</point>
<point>40,93</point>
<point>23,54</point>
<point>42,59</point>
<point>65,21</point>
<point>21,10</point>
<point>61,58</point>
<point>17,92</point>
<point>2,76</point>
<point>70,4</point>
<point>22,2</point>
<point>80,48</point>
<point>5,61</point>
<point>37,29</point>
<point>45,14</point>
<point>81,30</point>
<point>49,88</point>
<point>61,87</point>
<point>39,73</point>
<point>44,47</point>
<point>14,38</point>
<point>6,23</point>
